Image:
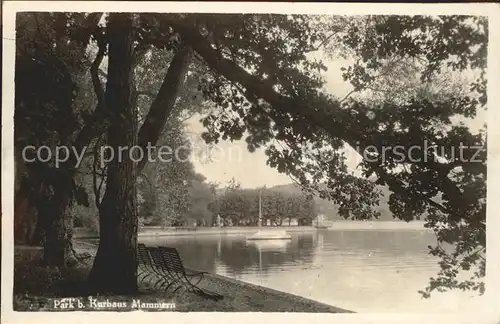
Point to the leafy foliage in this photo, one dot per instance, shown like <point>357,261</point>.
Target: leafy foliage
<point>301,124</point>
<point>238,206</point>
<point>49,61</point>
<point>170,188</point>
<point>449,191</point>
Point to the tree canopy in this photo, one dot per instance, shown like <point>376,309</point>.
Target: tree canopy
<point>256,77</point>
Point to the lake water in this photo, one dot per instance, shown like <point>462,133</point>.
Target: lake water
<point>364,270</point>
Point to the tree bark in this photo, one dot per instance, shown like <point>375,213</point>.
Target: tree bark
<point>38,237</point>
<point>24,211</point>
<point>114,269</point>
<point>56,223</point>
<point>39,217</point>
<point>25,217</point>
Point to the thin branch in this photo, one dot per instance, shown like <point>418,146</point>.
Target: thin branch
<point>103,74</point>
<point>324,41</point>
<point>85,31</point>
<point>94,180</point>
<point>378,90</point>
<point>149,94</point>
<point>140,52</point>
<point>94,70</point>
<point>385,72</point>
<point>347,95</point>
<point>145,177</point>
<point>188,117</point>
<point>97,189</point>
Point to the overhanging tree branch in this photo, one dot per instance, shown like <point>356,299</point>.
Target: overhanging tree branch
<point>323,116</point>
<point>260,87</point>
<point>95,173</point>
<point>94,71</point>
<point>163,104</point>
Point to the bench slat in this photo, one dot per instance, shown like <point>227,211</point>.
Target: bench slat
<point>166,262</point>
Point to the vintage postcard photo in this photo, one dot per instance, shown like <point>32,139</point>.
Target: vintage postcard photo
<point>207,157</point>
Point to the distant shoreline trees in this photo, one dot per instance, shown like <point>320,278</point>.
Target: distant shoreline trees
<point>240,207</point>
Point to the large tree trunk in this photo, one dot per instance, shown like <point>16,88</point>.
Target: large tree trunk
<point>114,269</point>
<point>25,219</point>
<point>56,221</point>
<point>39,217</point>
<point>24,212</point>
<point>115,266</point>
<point>38,237</point>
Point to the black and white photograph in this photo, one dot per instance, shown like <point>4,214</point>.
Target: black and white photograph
<point>268,162</point>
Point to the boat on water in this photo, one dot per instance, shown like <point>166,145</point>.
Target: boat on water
<point>269,245</point>
<point>322,226</point>
<point>268,234</point>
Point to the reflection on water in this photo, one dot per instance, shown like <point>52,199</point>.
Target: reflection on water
<point>236,256</point>
<point>376,270</point>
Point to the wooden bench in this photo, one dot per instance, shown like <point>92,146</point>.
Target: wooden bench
<point>150,269</point>
<point>166,265</point>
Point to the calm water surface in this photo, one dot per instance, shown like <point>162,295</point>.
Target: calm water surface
<point>362,270</point>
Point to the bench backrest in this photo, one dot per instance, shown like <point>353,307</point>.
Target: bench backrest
<point>165,257</point>
<point>143,256</point>
<point>172,258</point>
<point>157,258</point>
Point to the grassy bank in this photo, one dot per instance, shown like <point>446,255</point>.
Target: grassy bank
<point>35,287</point>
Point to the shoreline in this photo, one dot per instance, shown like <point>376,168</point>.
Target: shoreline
<point>277,294</point>
<point>81,233</point>
<point>239,296</point>
<point>157,231</point>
